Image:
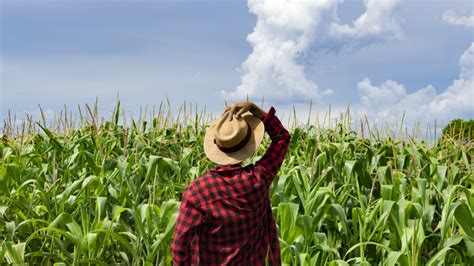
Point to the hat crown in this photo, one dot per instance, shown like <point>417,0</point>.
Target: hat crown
<point>229,133</point>
<point>230,142</point>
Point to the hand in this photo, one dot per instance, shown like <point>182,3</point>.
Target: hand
<point>240,108</point>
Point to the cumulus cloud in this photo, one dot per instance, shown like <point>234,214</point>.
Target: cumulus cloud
<point>452,19</point>
<point>376,23</point>
<point>285,30</point>
<point>387,93</point>
<point>391,99</point>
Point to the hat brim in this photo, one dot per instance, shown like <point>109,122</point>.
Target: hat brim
<point>216,155</point>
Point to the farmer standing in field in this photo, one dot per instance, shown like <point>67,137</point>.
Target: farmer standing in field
<point>225,215</point>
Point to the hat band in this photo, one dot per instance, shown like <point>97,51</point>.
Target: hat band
<point>239,145</point>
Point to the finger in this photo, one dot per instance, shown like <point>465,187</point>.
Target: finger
<point>241,111</point>
<point>228,116</point>
<point>225,115</point>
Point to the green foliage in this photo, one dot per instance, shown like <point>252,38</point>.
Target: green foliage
<point>460,129</point>
<point>106,194</point>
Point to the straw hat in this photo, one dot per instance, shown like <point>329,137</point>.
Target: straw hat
<point>231,139</point>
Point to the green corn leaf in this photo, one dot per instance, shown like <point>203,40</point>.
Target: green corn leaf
<point>3,209</point>
<point>15,254</point>
<point>463,216</point>
<point>349,167</point>
<point>441,254</point>
<point>392,258</point>
<point>51,136</point>
<point>338,263</point>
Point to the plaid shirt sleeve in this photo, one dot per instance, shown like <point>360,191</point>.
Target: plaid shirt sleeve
<point>188,220</point>
<point>271,161</point>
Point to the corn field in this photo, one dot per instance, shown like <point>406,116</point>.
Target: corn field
<point>100,191</point>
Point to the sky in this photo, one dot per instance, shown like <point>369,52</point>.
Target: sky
<point>381,58</point>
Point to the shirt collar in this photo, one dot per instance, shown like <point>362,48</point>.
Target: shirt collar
<point>226,167</point>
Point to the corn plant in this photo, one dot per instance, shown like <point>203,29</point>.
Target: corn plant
<point>105,191</point>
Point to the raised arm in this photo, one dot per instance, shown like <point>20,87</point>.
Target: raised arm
<point>271,161</point>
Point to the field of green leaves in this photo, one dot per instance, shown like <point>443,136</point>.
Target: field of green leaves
<point>105,191</point>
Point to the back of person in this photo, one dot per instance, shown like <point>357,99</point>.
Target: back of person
<point>225,217</point>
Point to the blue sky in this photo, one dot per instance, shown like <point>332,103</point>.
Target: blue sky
<point>70,52</point>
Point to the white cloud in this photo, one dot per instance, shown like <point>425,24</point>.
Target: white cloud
<point>387,93</point>
<point>285,30</point>
<point>376,23</point>
<point>466,63</point>
<point>390,99</point>
<point>452,19</point>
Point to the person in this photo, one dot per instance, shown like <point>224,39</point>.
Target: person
<point>225,216</point>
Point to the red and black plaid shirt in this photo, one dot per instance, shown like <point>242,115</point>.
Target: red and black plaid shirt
<point>225,215</point>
